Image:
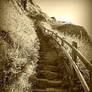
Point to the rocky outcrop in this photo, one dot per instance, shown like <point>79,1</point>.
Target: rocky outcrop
<point>19,45</point>
<point>71,29</point>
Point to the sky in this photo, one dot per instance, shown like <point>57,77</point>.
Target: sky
<point>78,12</point>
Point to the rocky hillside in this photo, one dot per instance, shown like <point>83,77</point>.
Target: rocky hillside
<point>19,44</point>
<point>71,29</point>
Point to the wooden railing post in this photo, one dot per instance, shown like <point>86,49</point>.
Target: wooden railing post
<point>74,56</point>
<point>62,41</point>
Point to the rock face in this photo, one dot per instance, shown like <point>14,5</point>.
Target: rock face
<point>19,45</point>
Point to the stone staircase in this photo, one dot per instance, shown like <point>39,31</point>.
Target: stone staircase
<point>51,75</point>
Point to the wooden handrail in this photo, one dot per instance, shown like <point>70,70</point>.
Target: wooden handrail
<point>82,58</point>
<point>83,82</point>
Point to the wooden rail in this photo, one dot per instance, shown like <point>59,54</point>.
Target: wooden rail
<point>73,59</point>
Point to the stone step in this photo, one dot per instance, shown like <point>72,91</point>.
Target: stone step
<point>48,59</point>
<point>47,62</point>
<point>44,45</point>
<point>45,83</point>
<point>45,49</point>
<point>48,75</point>
<point>43,52</point>
<point>49,90</point>
<point>39,90</point>
<point>55,90</point>
<point>48,67</point>
<point>49,56</point>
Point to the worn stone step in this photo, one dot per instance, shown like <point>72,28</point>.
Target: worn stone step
<point>49,90</point>
<point>45,83</point>
<point>48,67</point>
<point>56,90</point>
<point>43,52</point>
<point>45,49</point>
<point>44,45</point>
<point>39,90</point>
<point>47,62</point>
<point>48,75</point>
<point>44,59</point>
<point>50,55</point>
